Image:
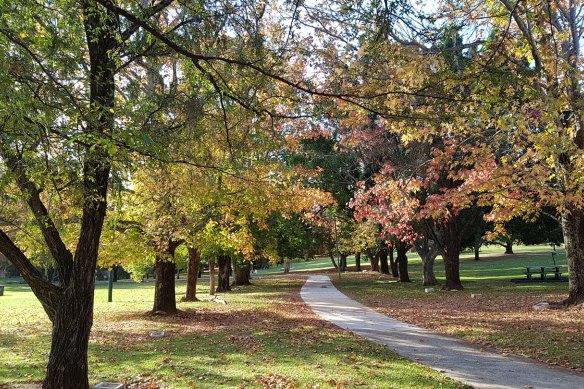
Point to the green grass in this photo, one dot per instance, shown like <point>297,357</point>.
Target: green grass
<point>541,256</point>
<point>253,342</point>
<point>490,276</point>
<point>501,317</point>
<point>263,337</point>
<point>303,265</point>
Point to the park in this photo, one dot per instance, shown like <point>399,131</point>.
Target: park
<point>265,336</point>
<point>291,194</point>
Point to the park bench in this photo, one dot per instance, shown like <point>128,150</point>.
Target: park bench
<point>543,271</point>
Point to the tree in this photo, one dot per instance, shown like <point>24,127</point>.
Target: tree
<point>366,239</point>
<point>395,195</point>
<point>475,236</point>
<point>69,305</point>
<point>194,264</point>
<point>528,126</point>
<point>339,172</point>
<point>242,272</point>
<point>543,229</point>
<point>66,117</point>
<point>155,209</point>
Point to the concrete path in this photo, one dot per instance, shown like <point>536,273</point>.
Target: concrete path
<point>455,358</point>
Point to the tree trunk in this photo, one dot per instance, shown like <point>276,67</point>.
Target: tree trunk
<point>427,250</point>
<point>115,270</point>
<point>192,274</point>
<point>52,275</point>
<point>452,257</point>
<point>70,306</point>
<point>358,261</point>
<point>509,247</point>
<point>73,315</point>
<point>178,274</point>
<point>333,259</point>
<point>429,276</point>
<point>72,323</point>
<point>573,227</point>
<point>343,262</point>
<point>224,268</point>
<point>373,259</point>
<point>242,274</point>
<point>476,252</point>
<point>393,264</point>
<point>212,281</point>
<point>383,264</point>
<point>402,262</point>
<point>164,292</point>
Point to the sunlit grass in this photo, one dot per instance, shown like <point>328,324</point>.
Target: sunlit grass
<point>525,256</point>
<point>501,316</point>
<point>254,340</point>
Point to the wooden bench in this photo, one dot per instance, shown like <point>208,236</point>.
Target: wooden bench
<point>543,271</point>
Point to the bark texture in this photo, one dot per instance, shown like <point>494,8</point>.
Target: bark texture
<point>115,271</point>
<point>164,292</point>
<point>573,227</point>
<point>477,256</point>
<point>243,274</point>
<point>213,280</point>
<point>165,286</point>
<point>429,276</point>
<point>67,367</point>
<point>452,246</point>
<point>393,264</point>
<point>224,269</point>
<point>192,274</point>
<point>358,261</point>
<point>427,250</point>
<point>402,262</point>
<point>343,262</point>
<point>47,293</point>
<point>72,323</point>
<point>383,263</point>
<point>373,259</point>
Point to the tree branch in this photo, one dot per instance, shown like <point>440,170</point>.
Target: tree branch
<point>526,31</point>
<point>198,58</point>
<point>46,292</point>
<point>148,13</point>
<point>51,235</point>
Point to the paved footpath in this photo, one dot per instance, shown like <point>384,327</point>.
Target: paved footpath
<point>455,358</point>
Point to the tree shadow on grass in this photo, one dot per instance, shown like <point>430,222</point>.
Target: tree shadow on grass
<point>279,348</point>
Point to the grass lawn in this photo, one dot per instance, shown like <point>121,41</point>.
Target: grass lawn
<point>325,264</point>
<point>502,317</point>
<point>265,337</point>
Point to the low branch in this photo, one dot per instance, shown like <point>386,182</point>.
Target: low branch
<point>47,293</point>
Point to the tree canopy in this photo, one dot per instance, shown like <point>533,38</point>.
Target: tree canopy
<point>259,129</point>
